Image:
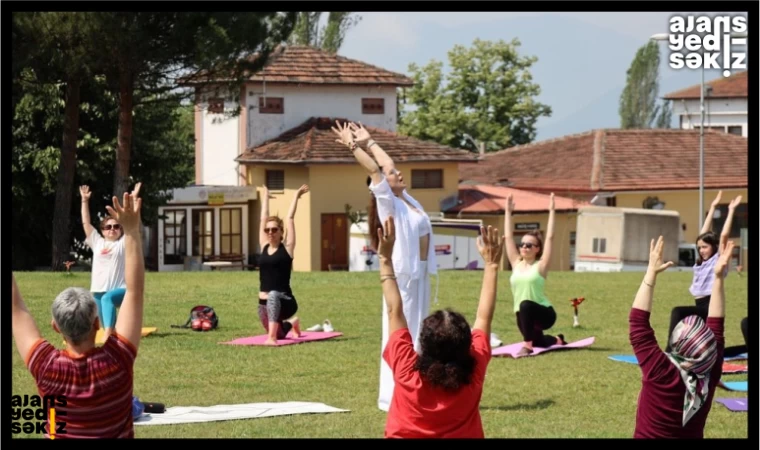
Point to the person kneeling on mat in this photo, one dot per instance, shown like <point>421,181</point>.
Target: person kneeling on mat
<point>95,382</point>
<point>437,392</point>
<point>677,386</point>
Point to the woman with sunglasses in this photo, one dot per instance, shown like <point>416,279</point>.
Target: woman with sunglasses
<point>414,258</point>
<point>277,305</point>
<point>108,284</point>
<point>530,266</point>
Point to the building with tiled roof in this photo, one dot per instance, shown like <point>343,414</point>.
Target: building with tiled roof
<point>276,132</point>
<point>725,105</point>
<point>633,168</point>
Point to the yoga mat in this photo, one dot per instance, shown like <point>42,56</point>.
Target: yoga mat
<point>197,414</point>
<point>740,386</point>
<point>728,368</point>
<point>99,335</point>
<point>733,404</point>
<point>737,357</point>
<point>513,349</point>
<point>306,336</point>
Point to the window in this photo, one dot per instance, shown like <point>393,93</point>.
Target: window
<point>203,232</point>
<point>271,105</point>
<point>735,130</point>
<point>216,105</point>
<point>600,245</point>
<point>741,220</point>
<point>373,106</point>
<point>612,201</point>
<point>427,179</point>
<point>231,220</point>
<point>276,180</point>
<point>175,236</point>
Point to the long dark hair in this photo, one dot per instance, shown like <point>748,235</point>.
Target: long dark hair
<point>373,218</point>
<point>445,360</point>
<point>710,239</point>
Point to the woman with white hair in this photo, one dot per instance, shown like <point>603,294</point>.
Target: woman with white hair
<point>677,386</point>
<point>96,382</point>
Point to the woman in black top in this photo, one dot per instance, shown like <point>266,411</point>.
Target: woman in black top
<point>277,305</point>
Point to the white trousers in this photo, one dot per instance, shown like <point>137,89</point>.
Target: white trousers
<point>415,298</point>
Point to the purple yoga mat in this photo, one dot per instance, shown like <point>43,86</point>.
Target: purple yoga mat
<point>306,336</point>
<point>733,404</point>
<point>513,349</point>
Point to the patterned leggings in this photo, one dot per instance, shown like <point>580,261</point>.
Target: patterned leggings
<point>278,307</point>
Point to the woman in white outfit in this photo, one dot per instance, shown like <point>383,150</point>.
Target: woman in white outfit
<point>414,253</point>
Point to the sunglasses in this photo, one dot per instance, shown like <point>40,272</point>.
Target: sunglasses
<point>271,230</point>
<point>527,245</point>
<point>115,227</point>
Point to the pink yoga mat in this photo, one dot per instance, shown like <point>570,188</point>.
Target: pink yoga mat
<point>513,349</point>
<point>306,336</point>
<point>734,368</point>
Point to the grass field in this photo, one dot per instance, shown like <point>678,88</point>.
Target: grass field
<point>564,394</point>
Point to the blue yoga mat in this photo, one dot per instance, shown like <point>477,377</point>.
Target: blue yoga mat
<point>740,386</point>
<point>733,358</point>
<point>632,358</point>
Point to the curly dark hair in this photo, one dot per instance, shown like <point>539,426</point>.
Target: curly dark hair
<point>445,360</point>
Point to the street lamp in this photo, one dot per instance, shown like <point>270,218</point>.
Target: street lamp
<point>665,37</point>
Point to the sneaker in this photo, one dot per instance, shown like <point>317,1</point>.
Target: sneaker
<point>317,327</point>
<point>327,327</point>
<point>495,341</point>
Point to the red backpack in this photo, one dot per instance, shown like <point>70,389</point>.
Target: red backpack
<point>202,318</point>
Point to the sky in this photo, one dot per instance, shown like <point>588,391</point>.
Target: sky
<point>582,57</point>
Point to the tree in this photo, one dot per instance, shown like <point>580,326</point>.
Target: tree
<point>56,45</point>
<point>152,52</point>
<point>330,37</point>
<point>488,96</point>
<point>638,102</point>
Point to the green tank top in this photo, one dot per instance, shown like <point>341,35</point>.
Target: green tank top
<point>528,285</point>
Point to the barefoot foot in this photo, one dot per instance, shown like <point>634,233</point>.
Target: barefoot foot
<point>270,341</point>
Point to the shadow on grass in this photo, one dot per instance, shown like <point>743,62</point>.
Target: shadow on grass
<point>541,404</point>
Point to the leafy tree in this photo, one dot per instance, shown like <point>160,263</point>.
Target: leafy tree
<point>329,37</point>
<point>638,102</point>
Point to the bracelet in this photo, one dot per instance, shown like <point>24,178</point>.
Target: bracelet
<point>387,277</point>
<point>650,285</point>
<point>353,146</point>
<point>370,143</point>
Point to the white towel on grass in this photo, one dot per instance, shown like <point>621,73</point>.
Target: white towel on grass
<point>196,414</point>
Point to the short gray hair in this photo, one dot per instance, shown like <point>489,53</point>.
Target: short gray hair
<point>74,311</point>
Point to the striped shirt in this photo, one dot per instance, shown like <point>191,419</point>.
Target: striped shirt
<point>97,387</point>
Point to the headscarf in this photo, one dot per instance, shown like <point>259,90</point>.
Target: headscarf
<point>694,353</point>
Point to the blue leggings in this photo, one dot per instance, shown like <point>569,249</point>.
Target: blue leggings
<point>107,304</point>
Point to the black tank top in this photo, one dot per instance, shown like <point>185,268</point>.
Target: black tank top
<point>274,270</point>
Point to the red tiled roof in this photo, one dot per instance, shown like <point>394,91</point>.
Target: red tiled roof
<point>734,86</point>
<point>314,142</point>
<point>309,65</point>
<point>617,160</point>
<point>489,199</point>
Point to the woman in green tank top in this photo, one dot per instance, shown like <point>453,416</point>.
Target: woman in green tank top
<point>530,265</point>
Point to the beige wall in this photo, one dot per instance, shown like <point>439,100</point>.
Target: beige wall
<point>687,205</point>
<point>332,186</point>
<point>564,224</point>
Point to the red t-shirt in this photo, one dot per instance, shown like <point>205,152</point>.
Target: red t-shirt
<point>97,387</point>
<point>421,411</point>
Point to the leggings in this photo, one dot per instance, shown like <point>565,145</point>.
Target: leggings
<point>681,312</point>
<point>739,349</point>
<point>107,303</point>
<point>533,319</point>
<point>278,307</point>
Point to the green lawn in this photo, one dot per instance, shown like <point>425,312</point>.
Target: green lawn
<point>574,393</point>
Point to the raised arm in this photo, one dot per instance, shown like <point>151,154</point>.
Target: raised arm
<point>707,225</point>
<point>386,239</point>
<point>25,331</point>
<point>726,231</point>
<point>264,215</point>
<point>546,257</point>
<point>718,296</point>
<point>364,139</point>
<point>491,247</point>
<point>643,300</point>
<point>129,323</point>
<point>84,191</point>
<point>290,242</point>
<point>512,253</point>
<point>346,137</point>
